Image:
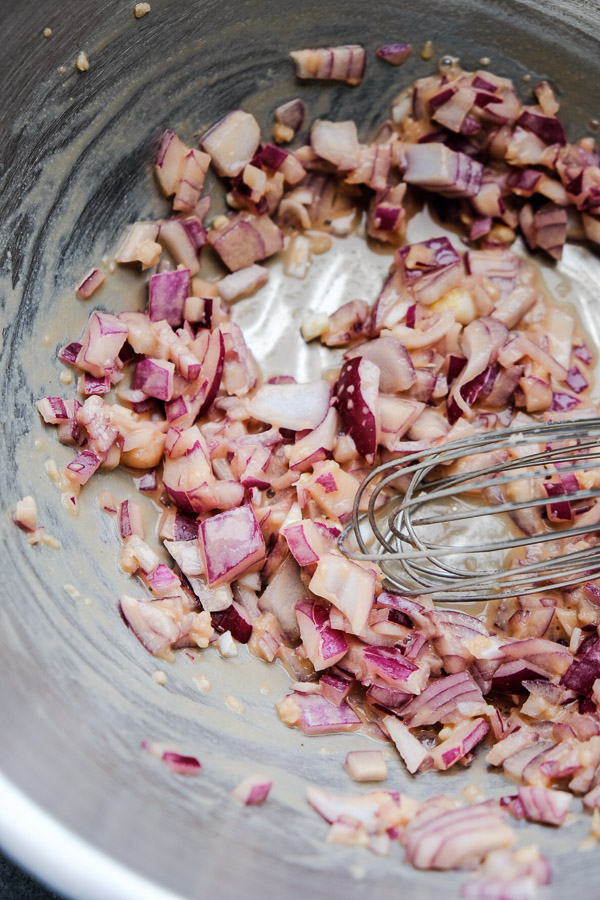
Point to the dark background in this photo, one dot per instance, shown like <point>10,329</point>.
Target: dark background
<point>15,884</point>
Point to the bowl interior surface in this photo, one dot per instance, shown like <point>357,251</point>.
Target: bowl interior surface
<point>78,693</point>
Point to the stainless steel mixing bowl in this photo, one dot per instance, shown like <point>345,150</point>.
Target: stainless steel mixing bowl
<point>80,803</point>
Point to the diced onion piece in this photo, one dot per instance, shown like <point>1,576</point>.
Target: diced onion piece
<point>396,54</point>
<point>545,805</point>
<point>414,754</point>
<point>324,645</point>
<point>168,293</point>
<point>295,406</point>
<point>101,343</point>
<point>90,283</point>
<point>181,765</point>
<point>357,393</point>
<point>336,142</point>
<point>291,114</point>
<point>232,142</point>
<point>130,519</point>
<point>344,63</point>
<point>463,738</point>
<point>242,283</point>
<point>252,790</point>
<point>366,765</point>
<point>230,542</point>
<point>169,162</point>
<point>346,585</point>
<point>25,514</point>
<point>456,838</point>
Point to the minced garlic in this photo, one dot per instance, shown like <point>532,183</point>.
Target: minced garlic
<point>82,63</point>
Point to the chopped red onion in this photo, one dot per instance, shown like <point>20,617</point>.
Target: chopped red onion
<point>53,410</point>
<point>414,754</point>
<point>437,168</point>
<point>261,508</point>
<point>335,686</point>
<point>154,377</point>
<point>346,585</point>
<point>295,406</point>
<point>180,238</point>
<point>291,114</point>
<point>304,540</point>
<point>396,370</point>
<point>162,582</point>
<point>336,142</point>
<point>462,740</point>
<point>130,519</point>
<point>92,385</point>
<point>366,765</point>
<point>581,674</point>
<point>231,542</point>
<point>583,353</point>
<point>152,625</point>
<point>548,128</point>
<point>441,701</point>
<point>324,646</point>
<point>396,54</point>
<point>545,805</point>
<point>167,296</point>
<point>190,181</point>
<point>253,790</point>
<point>234,619</point>
<point>560,511</point>
<point>25,514</point>
<point>356,393</point>
<point>318,716</point>
<point>83,466</point>
<point>181,765</point>
<point>232,142</point>
<point>242,283</point>
<point>102,340</point>
<point>456,838</point>
<point>90,283</point>
<point>563,402</point>
<point>576,380</point>
<point>344,63</point>
<point>70,353</point>
<point>169,162</point>
<point>245,240</point>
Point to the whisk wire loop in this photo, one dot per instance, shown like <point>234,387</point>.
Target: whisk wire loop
<point>508,470</point>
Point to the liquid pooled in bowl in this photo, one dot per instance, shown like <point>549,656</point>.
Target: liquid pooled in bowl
<point>255,476</point>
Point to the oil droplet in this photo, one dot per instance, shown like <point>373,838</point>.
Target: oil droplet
<point>427,50</point>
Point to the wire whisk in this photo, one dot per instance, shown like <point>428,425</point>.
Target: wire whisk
<point>492,515</point>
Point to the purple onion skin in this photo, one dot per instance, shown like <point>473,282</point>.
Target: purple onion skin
<point>233,620</point>
<point>576,380</point>
<point>580,676</point>
<point>395,54</point>
<point>291,114</point>
<point>562,402</point>
<point>547,128</point>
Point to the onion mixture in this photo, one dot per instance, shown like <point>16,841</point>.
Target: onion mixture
<point>256,478</point>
